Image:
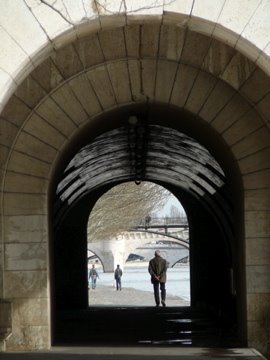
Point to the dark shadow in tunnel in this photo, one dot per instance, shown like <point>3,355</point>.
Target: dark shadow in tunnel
<point>210,192</point>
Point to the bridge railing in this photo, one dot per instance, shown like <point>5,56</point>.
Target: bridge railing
<point>162,221</point>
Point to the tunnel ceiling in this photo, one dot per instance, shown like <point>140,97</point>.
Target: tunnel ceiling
<point>144,152</point>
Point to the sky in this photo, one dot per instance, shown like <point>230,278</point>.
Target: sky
<point>171,201</point>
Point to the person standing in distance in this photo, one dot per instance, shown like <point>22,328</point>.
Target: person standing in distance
<point>117,275</point>
<point>158,270</point>
<point>93,275</point>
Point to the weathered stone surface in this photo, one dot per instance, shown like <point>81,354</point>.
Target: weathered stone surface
<point>100,81</point>
<point>252,143</point>
<point>69,104</point>
<point>26,284</point>
<point>25,183</point>
<point>89,51</point>
<point>148,75</point>
<point>25,204</point>
<point>166,72</point>
<point>257,199</point>
<point>242,127</point>
<point>44,131</point>
<point>258,306</point>
<point>25,164</point>
<point>202,87</point>
<point>29,338</point>
<point>238,71</point>
<point>217,58</point>
<point>255,162</point>
<point>30,256</point>
<point>183,83</point>
<point>52,113</point>
<point>258,279</point>
<point>171,42</point>
<point>24,229</point>
<point>257,224</point>
<point>8,132</point>
<point>83,90</point>
<point>5,319</point>
<point>195,49</point>
<point>258,180</point>
<point>259,81</point>
<point>258,251</point>
<point>30,312</point>
<point>119,75</point>
<point>30,145</point>
<point>112,44</point>
<point>258,334</point>
<point>134,68</point>
<point>216,101</point>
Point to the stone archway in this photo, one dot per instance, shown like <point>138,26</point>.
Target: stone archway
<point>66,89</point>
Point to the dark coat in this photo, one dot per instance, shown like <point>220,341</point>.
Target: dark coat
<point>158,268</point>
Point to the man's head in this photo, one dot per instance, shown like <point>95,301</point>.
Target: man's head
<point>157,253</point>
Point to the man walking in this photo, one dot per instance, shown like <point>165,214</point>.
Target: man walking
<point>117,275</point>
<point>93,275</point>
<point>158,270</point>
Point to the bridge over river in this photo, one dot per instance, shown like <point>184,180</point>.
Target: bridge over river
<point>171,239</point>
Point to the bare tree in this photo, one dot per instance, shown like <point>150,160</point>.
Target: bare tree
<point>123,207</point>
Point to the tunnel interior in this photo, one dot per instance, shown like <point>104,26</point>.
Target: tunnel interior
<point>177,151</point>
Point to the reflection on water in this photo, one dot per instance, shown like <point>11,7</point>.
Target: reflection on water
<point>138,278</point>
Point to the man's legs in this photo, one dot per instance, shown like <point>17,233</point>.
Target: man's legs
<point>163,293</point>
<point>156,292</point>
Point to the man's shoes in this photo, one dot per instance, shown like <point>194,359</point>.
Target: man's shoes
<point>157,305</point>
<point>163,303</point>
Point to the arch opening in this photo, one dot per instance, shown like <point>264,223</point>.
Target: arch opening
<point>153,149</point>
<point>131,219</point>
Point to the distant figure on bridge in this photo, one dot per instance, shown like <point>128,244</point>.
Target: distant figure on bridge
<point>158,270</point>
<point>93,275</point>
<point>117,275</point>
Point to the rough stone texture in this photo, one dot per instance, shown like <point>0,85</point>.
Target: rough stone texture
<point>24,229</point>
<point>29,256</point>
<point>257,251</point>
<point>26,284</point>
<point>258,279</point>
<point>5,320</point>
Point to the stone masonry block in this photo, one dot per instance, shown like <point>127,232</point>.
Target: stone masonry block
<point>30,145</point>
<point>258,251</point>
<point>83,90</point>
<point>24,229</point>
<point>23,163</point>
<point>26,284</point>
<point>185,78</point>
<point>42,130</point>
<point>25,184</point>
<point>166,72</point>
<point>258,279</point>
<point>24,204</point>
<point>119,75</point>
<point>52,113</point>
<point>29,256</point>
<point>257,224</point>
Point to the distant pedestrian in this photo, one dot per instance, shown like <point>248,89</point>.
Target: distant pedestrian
<point>118,275</point>
<point>158,270</point>
<point>93,275</point>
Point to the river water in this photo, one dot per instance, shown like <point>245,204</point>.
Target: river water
<point>137,277</point>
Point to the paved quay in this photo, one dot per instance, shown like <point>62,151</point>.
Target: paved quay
<point>108,295</point>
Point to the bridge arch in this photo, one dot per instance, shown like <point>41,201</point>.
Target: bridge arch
<point>44,107</point>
